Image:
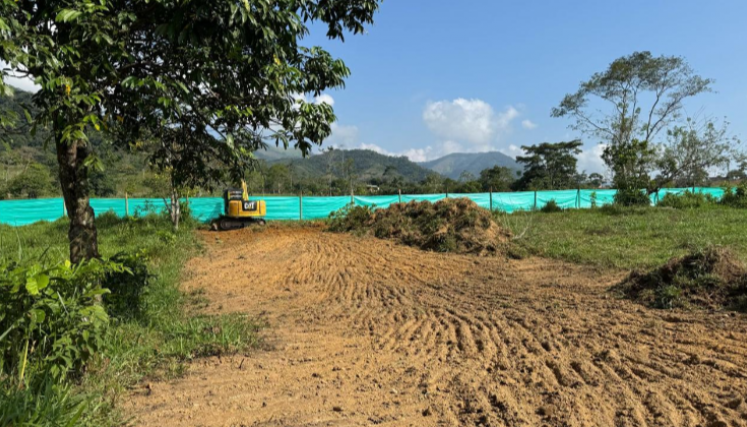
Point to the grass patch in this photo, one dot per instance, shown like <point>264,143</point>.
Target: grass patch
<point>158,342</point>
<point>627,238</point>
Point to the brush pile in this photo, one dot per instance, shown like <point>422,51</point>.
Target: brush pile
<point>710,278</point>
<point>449,225</point>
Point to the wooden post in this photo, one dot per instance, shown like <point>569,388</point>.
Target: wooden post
<point>352,196</point>
<point>300,207</point>
<point>400,195</point>
<point>127,205</point>
<point>535,200</point>
<point>578,199</point>
<point>491,199</point>
<point>447,191</point>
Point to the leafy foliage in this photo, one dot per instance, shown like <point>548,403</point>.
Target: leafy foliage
<point>549,166</point>
<point>154,337</point>
<point>204,82</point>
<point>497,178</point>
<point>50,317</point>
<point>551,207</point>
<point>646,95</point>
<point>126,287</point>
<point>735,197</point>
<point>694,149</point>
<point>686,200</point>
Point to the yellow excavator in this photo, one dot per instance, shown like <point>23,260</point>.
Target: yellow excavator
<point>239,211</point>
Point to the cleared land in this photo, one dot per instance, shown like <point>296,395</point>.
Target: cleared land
<point>364,331</point>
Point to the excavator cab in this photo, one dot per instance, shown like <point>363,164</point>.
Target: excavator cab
<point>239,211</point>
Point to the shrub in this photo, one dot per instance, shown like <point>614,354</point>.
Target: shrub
<point>686,200</point>
<point>50,318</point>
<point>126,286</point>
<point>631,197</point>
<point>736,197</point>
<point>42,402</point>
<point>551,207</point>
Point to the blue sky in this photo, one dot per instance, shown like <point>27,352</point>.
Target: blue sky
<point>437,76</point>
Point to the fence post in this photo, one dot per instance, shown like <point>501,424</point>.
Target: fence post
<point>352,196</point>
<point>447,191</point>
<point>578,199</point>
<point>400,194</point>
<point>491,199</point>
<point>535,200</point>
<point>127,205</point>
<point>300,207</point>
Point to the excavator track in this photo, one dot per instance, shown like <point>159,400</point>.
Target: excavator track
<point>226,223</point>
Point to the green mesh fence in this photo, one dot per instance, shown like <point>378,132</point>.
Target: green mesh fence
<point>22,212</point>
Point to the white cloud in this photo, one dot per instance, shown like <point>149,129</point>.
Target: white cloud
<point>416,154</point>
<point>469,124</point>
<point>461,125</point>
<point>342,136</point>
<point>324,99</point>
<point>24,83</point>
<point>374,147</point>
<point>528,124</point>
<point>321,99</point>
<point>512,151</point>
<point>590,159</point>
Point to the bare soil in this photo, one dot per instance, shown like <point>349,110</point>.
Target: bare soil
<point>368,332</point>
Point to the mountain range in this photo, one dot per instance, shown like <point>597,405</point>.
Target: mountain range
<point>455,164</point>
<point>370,165</point>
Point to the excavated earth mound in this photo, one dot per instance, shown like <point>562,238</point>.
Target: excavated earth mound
<point>449,225</point>
<point>711,278</point>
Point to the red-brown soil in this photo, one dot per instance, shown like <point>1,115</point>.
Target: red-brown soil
<point>368,332</point>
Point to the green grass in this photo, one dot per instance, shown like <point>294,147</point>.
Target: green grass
<point>158,343</point>
<point>627,238</point>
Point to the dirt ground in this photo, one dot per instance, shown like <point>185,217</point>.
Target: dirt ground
<point>366,332</point>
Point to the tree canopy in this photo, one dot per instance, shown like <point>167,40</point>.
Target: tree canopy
<point>217,79</point>
<point>645,95</point>
<point>549,166</point>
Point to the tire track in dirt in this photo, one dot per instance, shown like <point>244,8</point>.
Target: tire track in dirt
<point>366,332</point>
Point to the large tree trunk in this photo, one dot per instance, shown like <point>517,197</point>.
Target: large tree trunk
<point>75,191</point>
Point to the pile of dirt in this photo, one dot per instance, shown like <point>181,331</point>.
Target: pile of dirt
<point>449,225</point>
<point>711,278</point>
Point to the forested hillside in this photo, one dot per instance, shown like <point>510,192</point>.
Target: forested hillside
<point>366,165</point>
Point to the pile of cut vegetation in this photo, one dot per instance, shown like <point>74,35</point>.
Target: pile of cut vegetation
<point>712,278</point>
<point>449,225</point>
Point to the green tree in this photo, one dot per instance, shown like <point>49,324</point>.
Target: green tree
<point>466,176</point>
<point>549,166</point>
<point>497,178</point>
<point>227,72</point>
<point>692,150</point>
<point>278,178</point>
<point>595,180</point>
<point>34,182</point>
<point>645,95</point>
